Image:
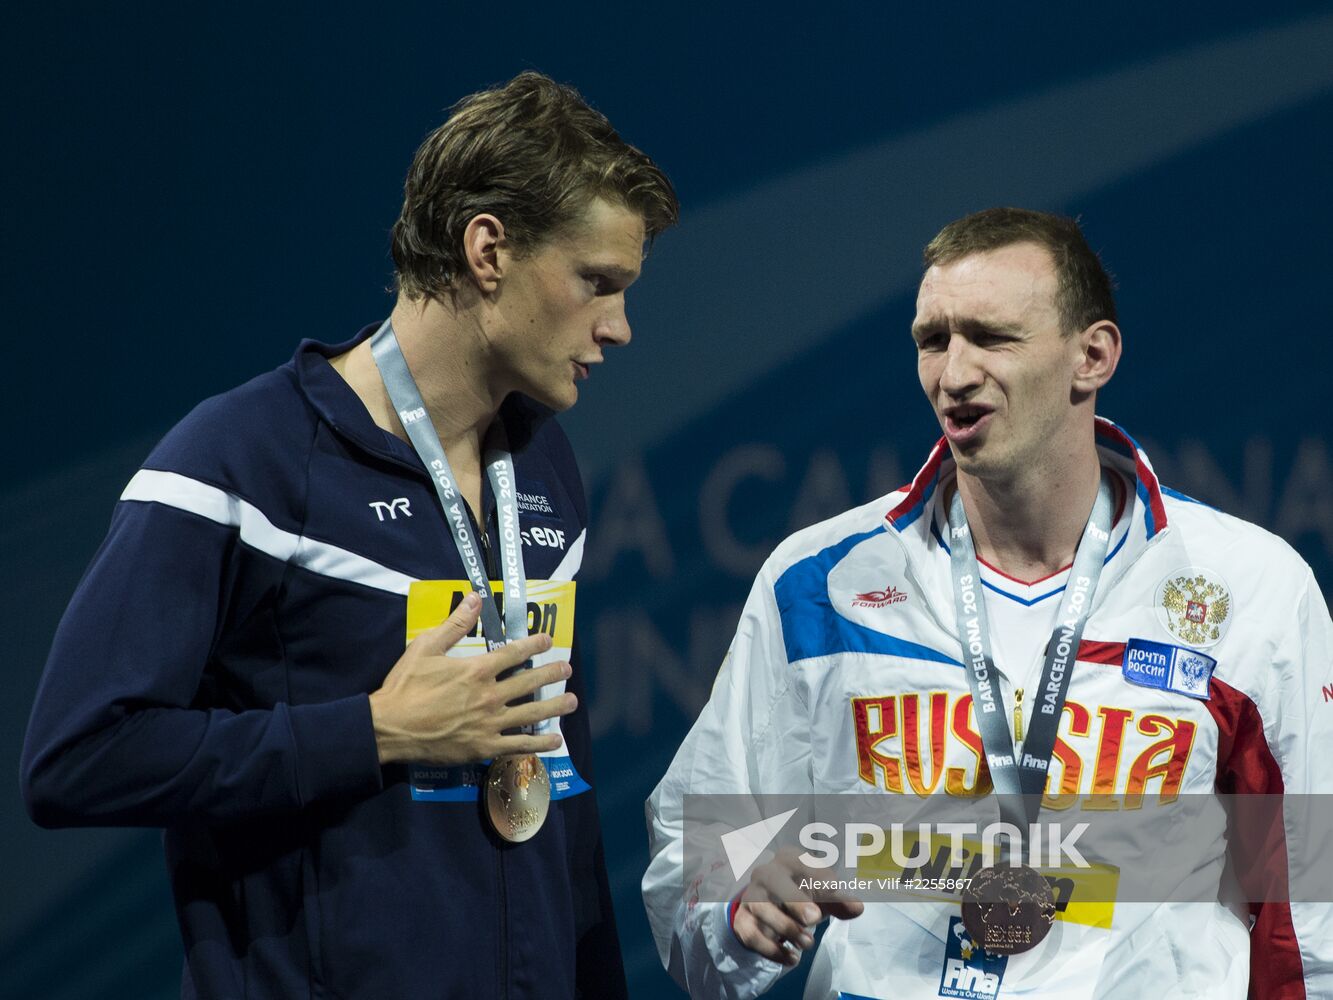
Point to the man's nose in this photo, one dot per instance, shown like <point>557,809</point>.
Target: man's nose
<point>961,372</point>
<point>613,328</point>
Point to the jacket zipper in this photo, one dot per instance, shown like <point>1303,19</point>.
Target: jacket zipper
<point>502,894</point>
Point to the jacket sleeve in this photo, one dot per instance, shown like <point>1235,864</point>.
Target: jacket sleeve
<point>752,737</point>
<point>124,730</point>
<point>1291,943</point>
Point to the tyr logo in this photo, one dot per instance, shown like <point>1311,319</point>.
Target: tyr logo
<point>393,507</point>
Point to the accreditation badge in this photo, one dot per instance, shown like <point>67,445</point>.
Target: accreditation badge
<point>517,788</point>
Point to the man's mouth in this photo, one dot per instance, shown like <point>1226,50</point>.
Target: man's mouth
<point>964,421</point>
<point>580,371</point>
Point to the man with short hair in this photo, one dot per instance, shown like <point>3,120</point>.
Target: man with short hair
<point>344,818</point>
<point>1163,647</point>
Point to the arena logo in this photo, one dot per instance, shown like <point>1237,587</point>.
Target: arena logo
<point>879,598</point>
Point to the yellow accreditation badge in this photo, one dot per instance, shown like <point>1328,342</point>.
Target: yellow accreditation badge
<point>1083,895</point>
<point>550,610</point>
<point>516,788</point>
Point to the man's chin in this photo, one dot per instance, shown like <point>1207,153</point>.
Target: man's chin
<point>975,460</point>
<point>557,402</point>
<point>565,401</point>
<point>968,453</point>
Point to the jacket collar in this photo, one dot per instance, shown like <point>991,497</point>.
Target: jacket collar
<point>1116,448</point>
<point>339,407</point>
<point>912,517</point>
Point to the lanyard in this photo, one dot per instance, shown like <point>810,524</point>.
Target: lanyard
<point>1025,778</point>
<point>406,399</point>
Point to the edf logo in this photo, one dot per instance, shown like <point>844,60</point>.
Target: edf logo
<point>552,538</point>
<point>392,506</point>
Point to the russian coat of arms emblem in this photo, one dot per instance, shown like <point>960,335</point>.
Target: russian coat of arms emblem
<point>1197,608</point>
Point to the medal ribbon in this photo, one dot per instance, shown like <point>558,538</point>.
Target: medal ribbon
<point>1023,780</point>
<point>406,399</point>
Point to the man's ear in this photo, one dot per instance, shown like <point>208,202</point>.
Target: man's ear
<point>483,243</point>
<point>1099,353</point>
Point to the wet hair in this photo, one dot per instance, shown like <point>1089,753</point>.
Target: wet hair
<point>533,154</point>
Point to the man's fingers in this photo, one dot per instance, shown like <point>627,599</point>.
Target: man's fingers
<point>754,929</point>
<point>447,634</point>
<point>527,682</point>
<point>511,654</point>
<point>776,881</point>
<point>522,743</point>
<point>780,912</point>
<point>538,711</point>
<point>781,925</point>
<point>843,908</point>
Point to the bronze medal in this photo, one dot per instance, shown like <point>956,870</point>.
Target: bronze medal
<point>518,796</point>
<point>1008,910</point>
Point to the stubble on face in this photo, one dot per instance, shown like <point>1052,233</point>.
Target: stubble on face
<point>994,361</point>
<point>564,303</point>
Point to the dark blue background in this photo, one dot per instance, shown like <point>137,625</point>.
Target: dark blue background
<point>191,189</point>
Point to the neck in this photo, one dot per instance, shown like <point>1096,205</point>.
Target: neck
<point>1029,526</point>
<point>447,356</point>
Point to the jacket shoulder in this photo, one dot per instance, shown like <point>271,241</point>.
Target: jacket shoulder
<point>253,441</point>
<point>840,529</point>
<point>1215,535</point>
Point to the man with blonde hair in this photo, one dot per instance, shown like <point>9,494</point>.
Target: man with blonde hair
<point>344,818</point>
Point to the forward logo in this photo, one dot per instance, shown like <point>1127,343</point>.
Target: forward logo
<point>879,598</point>
<point>393,507</point>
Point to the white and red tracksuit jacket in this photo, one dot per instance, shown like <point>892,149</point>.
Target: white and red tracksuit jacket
<point>844,676</point>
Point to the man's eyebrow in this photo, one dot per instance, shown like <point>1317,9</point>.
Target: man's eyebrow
<point>970,325</point>
<point>613,271</point>
<point>927,327</point>
<point>967,325</point>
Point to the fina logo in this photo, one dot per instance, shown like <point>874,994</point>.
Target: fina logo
<point>392,506</point>
<point>411,417</point>
<point>969,972</point>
